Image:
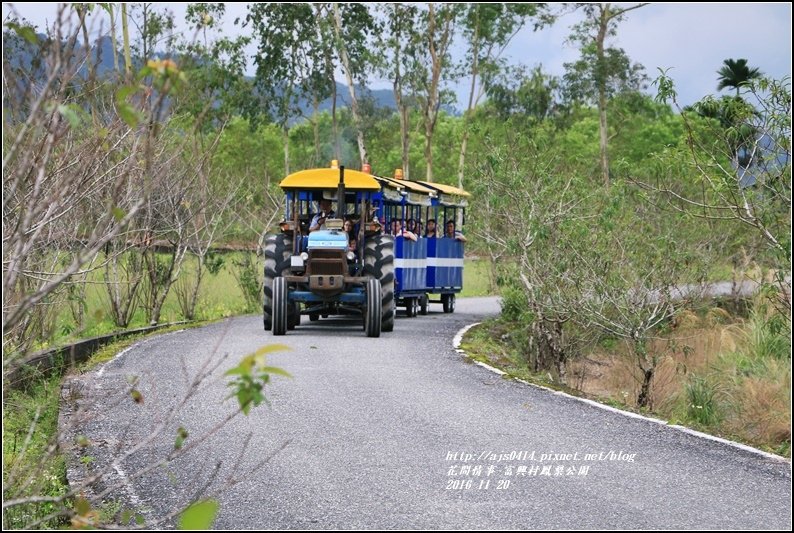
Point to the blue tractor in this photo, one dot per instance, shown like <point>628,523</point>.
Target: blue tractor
<point>329,270</point>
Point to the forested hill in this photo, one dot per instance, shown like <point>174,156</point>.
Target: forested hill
<point>102,56</point>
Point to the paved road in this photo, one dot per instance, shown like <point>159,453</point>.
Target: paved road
<point>368,432</point>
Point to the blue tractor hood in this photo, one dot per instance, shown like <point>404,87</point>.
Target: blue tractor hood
<point>333,239</point>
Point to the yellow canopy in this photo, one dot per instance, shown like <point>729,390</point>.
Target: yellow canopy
<point>328,178</point>
<point>448,189</point>
<point>412,186</point>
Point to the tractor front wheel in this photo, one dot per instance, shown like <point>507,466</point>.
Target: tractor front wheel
<point>373,314</point>
<point>280,306</point>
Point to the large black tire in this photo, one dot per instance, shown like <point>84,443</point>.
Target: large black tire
<point>411,306</point>
<point>423,301</point>
<point>448,301</point>
<point>379,265</point>
<point>294,318</point>
<point>373,313</point>
<point>278,249</point>
<point>280,306</point>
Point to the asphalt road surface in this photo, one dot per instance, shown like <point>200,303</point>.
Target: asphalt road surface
<point>399,432</point>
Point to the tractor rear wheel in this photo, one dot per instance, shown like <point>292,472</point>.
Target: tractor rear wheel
<point>379,265</point>
<point>294,317</point>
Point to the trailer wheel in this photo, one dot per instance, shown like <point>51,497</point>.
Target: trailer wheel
<point>373,314</point>
<point>423,301</point>
<point>314,317</point>
<point>448,301</point>
<point>278,249</point>
<point>379,265</point>
<point>280,306</point>
<point>411,307</point>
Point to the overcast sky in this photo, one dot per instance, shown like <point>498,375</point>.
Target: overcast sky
<point>690,39</point>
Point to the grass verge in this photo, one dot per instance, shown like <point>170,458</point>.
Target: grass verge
<point>723,375</point>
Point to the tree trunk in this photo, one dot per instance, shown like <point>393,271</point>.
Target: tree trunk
<point>429,153</point>
<point>334,123</point>
<point>602,96</point>
<point>160,293</point>
<point>431,105</point>
<point>405,141</point>
<point>349,75</point>
<point>316,124</point>
<point>474,67</point>
<point>285,131</point>
<point>113,40</point>
<point>402,109</point>
<point>125,33</point>
<point>644,399</point>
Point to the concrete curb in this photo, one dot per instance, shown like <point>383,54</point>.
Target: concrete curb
<point>45,362</point>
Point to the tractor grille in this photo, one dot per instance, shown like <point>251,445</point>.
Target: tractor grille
<point>326,263</point>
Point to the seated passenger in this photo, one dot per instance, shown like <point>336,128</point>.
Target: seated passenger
<point>348,228</point>
<point>397,231</point>
<point>431,229</point>
<point>452,233</point>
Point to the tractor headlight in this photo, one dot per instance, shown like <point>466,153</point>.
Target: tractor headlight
<point>304,256</point>
<point>351,256</point>
<point>296,264</point>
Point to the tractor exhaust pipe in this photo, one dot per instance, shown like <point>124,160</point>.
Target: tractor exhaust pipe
<point>340,193</point>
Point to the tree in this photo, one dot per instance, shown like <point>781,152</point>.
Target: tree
<point>531,94</point>
<point>735,73</point>
<point>586,263</point>
<point>396,59</point>
<point>601,71</point>
<point>736,167</point>
<point>488,29</point>
<point>438,27</point>
<point>352,25</point>
<point>284,34</point>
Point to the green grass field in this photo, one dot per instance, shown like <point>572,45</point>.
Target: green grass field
<point>220,296</point>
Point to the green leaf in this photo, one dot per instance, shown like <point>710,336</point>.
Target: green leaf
<point>118,214</point>
<point>137,397</point>
<point>128,114</point>
<point>181,435</point>
<point>199,515</point>
<point>26,32</point>
<point>69,113</point>
<point>124,92</point>
<point>270,348</point>
<point>126,516</point>
<point>139,519</point>
<point>82,506</point>
<point>276,370</point>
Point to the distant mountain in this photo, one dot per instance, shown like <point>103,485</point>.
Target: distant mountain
<point>22,54</point>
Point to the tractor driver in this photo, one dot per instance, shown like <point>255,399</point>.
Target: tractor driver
<point>318,222</point>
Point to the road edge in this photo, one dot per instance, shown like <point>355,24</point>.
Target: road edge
<point>458,338</point>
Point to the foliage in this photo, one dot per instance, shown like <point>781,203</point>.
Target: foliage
<point>30,420</point>
<point>735,74</point>
<point>251,375</point>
